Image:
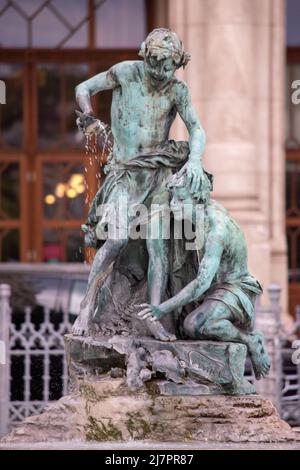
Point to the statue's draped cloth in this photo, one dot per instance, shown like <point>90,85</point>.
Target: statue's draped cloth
<point>141,180</point>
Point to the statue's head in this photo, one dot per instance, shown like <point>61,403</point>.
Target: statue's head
<point>183,201</point>
<point>163,54</point>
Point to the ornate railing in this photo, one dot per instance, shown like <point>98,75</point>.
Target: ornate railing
<point>38,366</point>
<point>33,370</point>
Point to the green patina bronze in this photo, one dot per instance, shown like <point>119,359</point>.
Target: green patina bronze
<point>146,98</point>
<point>202,293</point>
<point>223,291</point>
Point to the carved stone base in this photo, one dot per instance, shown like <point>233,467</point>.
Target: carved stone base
<point>175,368</point>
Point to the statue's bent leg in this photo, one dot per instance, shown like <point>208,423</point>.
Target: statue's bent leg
<point>214,320</point>
<point>195,320</point>
<point>105,256</point>
<point>158,270</point>
<point>101,262</point>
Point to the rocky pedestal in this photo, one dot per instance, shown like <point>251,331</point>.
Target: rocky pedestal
<point>104,409</point>
<point>127,389</point>
<point>174,368</point>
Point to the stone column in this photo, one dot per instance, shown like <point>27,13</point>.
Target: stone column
<point>236,78</point>
<point>5,292</point>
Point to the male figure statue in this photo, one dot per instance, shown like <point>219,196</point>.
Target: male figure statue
<point>223,289</point>
<point>146,98</point>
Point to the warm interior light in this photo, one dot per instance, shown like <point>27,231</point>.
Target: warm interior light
<point>60,190</point>
<point>76,179</point>
<point>71,193</point>
<point>50,199</point>
<point>80,189</point>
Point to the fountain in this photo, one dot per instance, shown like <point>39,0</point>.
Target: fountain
<point>158,350</point>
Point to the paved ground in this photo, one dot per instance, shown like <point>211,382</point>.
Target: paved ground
<point>138,445</point>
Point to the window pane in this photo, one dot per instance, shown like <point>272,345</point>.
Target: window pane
<point>78,39</point>
<point>13,29</point>
<point>293,214</point>
<point>121,24</point>
<point>74,11</point>
<point>293,239</point>
<point>292,22</point>
<point>56,108</point>
<point>56,23</point>
<point>9,245</point>
<point>29,7</point>
<point>11,113</point>
<point>63,191</point>
<point>48,30</point>
<point>292,109</point>
<point>9,191</point>
<point>63,245</point>
<point>36,23</point>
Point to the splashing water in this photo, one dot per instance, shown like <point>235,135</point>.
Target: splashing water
<point>97,147</point>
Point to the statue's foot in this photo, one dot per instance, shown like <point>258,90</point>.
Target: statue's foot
<point>80,326</point>
<point>159,332</point>
<point>259,357</point>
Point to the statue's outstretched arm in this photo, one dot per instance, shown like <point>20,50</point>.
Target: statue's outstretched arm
<point>195,289</point>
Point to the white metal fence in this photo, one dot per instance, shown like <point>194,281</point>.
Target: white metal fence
<point>37,352</point>
<point>35,369</point>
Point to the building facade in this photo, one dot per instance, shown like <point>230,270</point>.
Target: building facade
<point>237,80</point>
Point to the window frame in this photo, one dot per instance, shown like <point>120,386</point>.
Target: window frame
<point>30,157</point>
